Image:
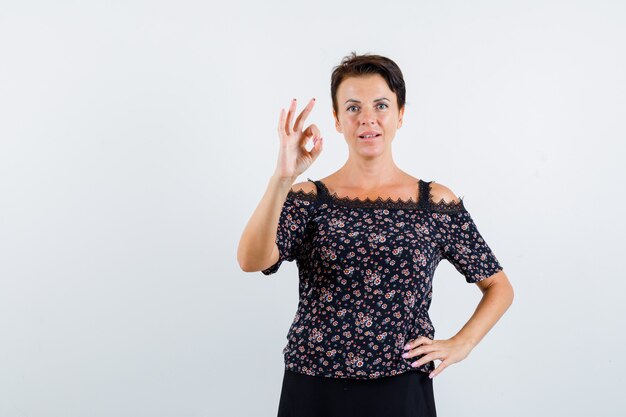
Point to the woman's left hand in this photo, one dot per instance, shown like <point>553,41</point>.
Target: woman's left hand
<point>448,351</point>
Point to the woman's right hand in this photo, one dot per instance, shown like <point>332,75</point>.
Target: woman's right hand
<point>293,157</point>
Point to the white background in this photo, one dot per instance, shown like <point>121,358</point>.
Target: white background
<point>137,138</point>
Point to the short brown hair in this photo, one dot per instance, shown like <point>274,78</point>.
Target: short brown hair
<point>354,65</point>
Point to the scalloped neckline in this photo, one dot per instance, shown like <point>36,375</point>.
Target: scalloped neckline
<point>421,203</point>
<point>368,201</point>
<point>424,202</point>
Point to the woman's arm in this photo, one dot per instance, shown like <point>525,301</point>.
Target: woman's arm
<point>497,291</point>
<point>257,247</point>
<point>497,298</point>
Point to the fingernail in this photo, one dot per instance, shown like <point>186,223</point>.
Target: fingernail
<point>406,347</point>
<point>430,376</point>
<point>404,355</point>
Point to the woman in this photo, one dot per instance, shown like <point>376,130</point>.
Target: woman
<point>367,240</point>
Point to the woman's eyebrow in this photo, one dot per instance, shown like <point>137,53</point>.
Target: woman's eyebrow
<point>357,101</point>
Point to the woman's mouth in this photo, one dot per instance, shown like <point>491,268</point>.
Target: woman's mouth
<point>369,137</point>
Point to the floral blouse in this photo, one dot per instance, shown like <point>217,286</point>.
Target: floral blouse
<point>365,276</point>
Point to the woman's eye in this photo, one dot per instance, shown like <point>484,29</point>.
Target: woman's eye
<point>383,104</point>
<point>350,107</point>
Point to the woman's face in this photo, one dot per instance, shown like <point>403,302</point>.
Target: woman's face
<point>366,104</point>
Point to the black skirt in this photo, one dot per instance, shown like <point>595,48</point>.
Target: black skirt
<point>409,394</point>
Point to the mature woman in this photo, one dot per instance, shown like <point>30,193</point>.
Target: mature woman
<point>367,240</point>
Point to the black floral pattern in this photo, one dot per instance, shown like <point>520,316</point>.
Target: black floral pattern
<point>365,276</point>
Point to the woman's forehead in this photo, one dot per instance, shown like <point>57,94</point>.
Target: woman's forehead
<point>366,87</point>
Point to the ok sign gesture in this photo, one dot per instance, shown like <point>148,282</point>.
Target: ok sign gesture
<point>293,157</point>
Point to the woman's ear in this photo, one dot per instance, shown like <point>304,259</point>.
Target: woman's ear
<point>400,117</point>
<point>337,124</point>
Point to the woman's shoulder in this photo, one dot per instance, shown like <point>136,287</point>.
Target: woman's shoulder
<point>304,192</point>
<point>306,187</point>
<point>441,193</point>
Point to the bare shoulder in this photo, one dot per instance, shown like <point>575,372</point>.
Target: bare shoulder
<point>440,192</point>
<point>306,186</point>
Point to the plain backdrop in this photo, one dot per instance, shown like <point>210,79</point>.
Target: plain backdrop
<point>137,138</point>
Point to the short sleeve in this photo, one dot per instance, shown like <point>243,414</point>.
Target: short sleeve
<point>464,247</point>
<point>293,223</point>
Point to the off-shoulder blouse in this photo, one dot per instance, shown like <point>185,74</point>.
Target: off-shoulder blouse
<point>365,276</point>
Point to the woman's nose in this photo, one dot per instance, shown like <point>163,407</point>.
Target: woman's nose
<point>367,116</point>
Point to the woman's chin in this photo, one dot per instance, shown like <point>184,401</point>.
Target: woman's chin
<point>371,150</point>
